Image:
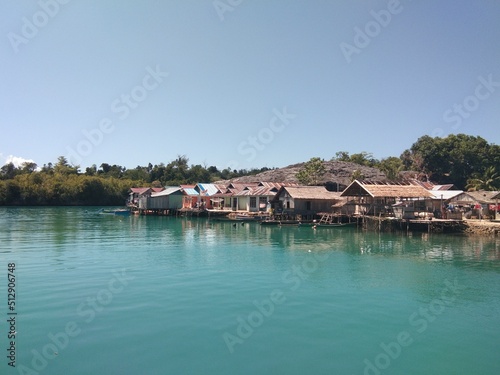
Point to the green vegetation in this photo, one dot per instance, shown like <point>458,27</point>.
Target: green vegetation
<point>312,172</point>
<point>63,184</point>
<point>466,161</point>
<point>490,180</point>
<point>457,159</point>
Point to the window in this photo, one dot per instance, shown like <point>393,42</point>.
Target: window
<point>253,202</point>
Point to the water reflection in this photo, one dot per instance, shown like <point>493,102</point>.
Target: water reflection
<point>66,227</point>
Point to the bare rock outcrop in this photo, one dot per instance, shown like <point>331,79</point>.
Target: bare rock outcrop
<point>337,172</point>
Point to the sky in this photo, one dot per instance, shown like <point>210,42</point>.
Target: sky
<point>242,83</point>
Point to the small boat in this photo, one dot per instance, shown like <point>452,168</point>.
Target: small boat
<point>335,225</point>
<point>118,211</point>
<point>280,222</point>
<point>241,217</point>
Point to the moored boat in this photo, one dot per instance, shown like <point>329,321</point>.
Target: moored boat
<point>118,211</point>
<point>280,222</point>
<point>335,225</point>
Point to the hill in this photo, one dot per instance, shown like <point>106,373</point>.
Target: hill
<point>337,172</point>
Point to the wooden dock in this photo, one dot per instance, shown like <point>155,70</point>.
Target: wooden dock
<point>390,224</point>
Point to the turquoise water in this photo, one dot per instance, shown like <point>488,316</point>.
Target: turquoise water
<point>99,294</point>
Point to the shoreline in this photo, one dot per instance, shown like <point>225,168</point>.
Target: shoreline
<point>481,227</point>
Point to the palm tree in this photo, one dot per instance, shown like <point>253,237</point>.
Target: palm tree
<point>490,180</point>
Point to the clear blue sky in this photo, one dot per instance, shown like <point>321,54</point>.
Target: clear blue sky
<point>150,80</point>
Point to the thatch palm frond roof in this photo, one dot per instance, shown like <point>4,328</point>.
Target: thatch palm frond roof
<point>378,190</point>
<point>311,192</point>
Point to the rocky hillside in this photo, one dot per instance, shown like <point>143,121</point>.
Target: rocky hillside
<point>338,172</point>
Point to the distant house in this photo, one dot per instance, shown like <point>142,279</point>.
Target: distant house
<point>478,204</point>
<point>191,196</point>
<point>229,195</point>
<point>208,194</point>
<point>373,198</point>
<point>439,204</point>
<point>255,199</point>
<point>251,197</point>
<point>170,198</point>
<point>137,192</point>
<point>306,201</point>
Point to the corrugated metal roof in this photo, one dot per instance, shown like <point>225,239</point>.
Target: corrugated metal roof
<point>442,187</point>
<point>168,190</point>
<point>277,185</point>
<point>189,189</point>
<point>258,191</point>
<point>240,186</point>
<point>445,194</point>
<point>139,191</point>
<point>207,189</point>
<point>220,187</point>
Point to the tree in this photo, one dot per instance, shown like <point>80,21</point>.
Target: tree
<point>357,175</point>
<point>341,156</point>
<point>28,167</point>
<point>8,171</point>
<point>91,171</point>
<point>490,181</point>
<point>363,158</point>
<point>63,167</point>
<point>105,168</point>
<point>453,159</point>
<point>312,172</point>
<point>197,173</point>
<point>391,166</point>
<point>48,168</point>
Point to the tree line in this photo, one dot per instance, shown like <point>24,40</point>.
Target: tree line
<point>468,162</point>
<point>64,184</point>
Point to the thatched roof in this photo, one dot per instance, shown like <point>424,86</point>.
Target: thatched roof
<point>311,192</point>
<point>380,190</point>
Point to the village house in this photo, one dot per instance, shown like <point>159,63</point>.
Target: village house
<point>306,201</point>
<point>439,204</point>
<point>478,204</point>
<point>191,196</point>
<point>229,198</point>
<point>170,198</point>
<point>373,198</point>
<point>255,199</point>
<point>208,195</point>
<point>251,197</point>
<point>138,192</point>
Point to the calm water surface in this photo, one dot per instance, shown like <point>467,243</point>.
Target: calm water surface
<point>99,294</point>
